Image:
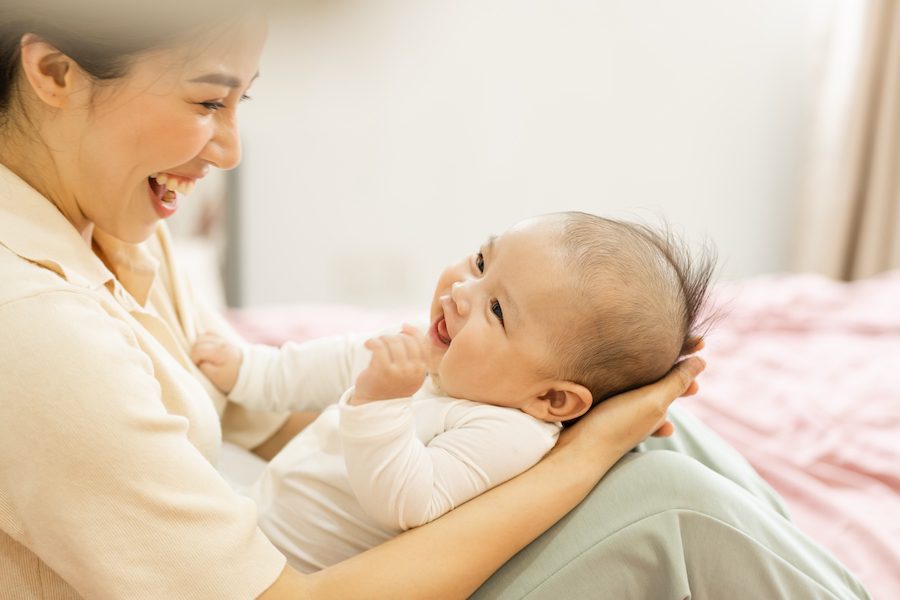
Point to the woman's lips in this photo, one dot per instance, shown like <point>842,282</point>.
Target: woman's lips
<point>165,202</point>
<point>166,190</point>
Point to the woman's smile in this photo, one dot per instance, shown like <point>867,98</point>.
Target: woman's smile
<point>166,190</point>
<point>165,201</point>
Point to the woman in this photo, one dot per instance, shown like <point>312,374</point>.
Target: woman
<point>108,433</point>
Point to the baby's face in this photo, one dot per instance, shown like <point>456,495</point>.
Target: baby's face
<point>494,312</point>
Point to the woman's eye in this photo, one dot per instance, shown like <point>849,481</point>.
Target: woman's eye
<point>216,105</point>
<point>213,106</point>
<point>479,262</point>
<point>498,312</point>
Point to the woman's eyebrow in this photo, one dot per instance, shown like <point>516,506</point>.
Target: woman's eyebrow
<point>221,79</point>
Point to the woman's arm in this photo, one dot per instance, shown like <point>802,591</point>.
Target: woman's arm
<point>295,423</point>
<point>478,537</point>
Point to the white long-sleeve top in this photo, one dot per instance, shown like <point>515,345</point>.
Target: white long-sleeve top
<point>359,475</point>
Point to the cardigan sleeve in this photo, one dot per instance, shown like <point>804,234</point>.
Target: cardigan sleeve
<point>98,479</point>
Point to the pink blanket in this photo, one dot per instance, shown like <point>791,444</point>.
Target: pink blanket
<point>803,379</point>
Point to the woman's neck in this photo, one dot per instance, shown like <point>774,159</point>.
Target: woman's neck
<point>28,156</point>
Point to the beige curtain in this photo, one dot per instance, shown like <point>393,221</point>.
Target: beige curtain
<point>849,221</point>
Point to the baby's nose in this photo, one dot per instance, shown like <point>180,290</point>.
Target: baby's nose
<point>459,296</point>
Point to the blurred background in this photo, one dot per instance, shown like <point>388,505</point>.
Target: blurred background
<point>386,138</point>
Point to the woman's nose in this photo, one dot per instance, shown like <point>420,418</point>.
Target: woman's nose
<point>224,149</point>
<point>459,295</point>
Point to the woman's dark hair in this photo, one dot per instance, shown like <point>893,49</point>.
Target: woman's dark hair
<point>102,36</point>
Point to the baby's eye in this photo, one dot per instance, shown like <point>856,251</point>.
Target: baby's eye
<point>498,312</point>
<point>479,262</point>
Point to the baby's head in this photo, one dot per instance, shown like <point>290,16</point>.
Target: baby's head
<point>563,311</point>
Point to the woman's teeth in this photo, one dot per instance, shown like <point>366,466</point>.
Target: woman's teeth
<point>169,199</point>
<point>183,187</point>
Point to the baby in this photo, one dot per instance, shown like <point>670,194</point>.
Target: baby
<point>544,321</point>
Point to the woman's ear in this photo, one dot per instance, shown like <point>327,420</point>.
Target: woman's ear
<point>50,72</point>
<point>564,400</point>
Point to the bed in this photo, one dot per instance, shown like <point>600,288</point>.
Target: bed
<point>803,379</point>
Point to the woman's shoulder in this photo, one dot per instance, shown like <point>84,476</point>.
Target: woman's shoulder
<point>39,304</point>
<point>23,278</point>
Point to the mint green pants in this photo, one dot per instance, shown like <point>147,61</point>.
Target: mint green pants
<point>678,518</point>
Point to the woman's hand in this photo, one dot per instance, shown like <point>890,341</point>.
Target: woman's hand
<point>693,345</point>
<point>622,422</point>
<point>218,359</point>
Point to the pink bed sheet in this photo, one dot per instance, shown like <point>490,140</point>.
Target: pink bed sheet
<point>803,379</point>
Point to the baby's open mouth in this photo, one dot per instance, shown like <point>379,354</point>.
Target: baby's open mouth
<point>439,331</point>
<point>441,328</point>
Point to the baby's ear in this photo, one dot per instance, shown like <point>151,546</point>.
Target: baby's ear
<point>565,400</point>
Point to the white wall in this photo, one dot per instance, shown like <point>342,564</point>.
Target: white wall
<point>387,137</point>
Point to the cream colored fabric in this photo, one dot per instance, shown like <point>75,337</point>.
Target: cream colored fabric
<point>108,433</point>
<point>849,221</point>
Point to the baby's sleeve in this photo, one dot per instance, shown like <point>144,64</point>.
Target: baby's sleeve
<point>402,482</point>
<point>299,376</point>
<point>98,480</point>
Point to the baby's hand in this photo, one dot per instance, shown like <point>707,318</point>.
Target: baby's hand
<point>397,368</point>
<point>218,359</point>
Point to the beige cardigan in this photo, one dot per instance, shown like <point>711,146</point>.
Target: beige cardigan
<point>108,432</point>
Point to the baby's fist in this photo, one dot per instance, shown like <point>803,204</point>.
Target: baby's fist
<point>218,359</point>
<point>397,368</point>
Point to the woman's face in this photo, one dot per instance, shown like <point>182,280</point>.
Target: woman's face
<point>171,118</point>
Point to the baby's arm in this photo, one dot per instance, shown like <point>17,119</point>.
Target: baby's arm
<point>401,482</point>
<point>297,376</point>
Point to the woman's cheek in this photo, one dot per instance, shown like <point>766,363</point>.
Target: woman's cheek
<point>187,133</point>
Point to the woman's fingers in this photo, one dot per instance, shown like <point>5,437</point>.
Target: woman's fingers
<point>667,429</point>
<point>692,389</point>
<point>659,395</point>
<point>694,344</point>
<point>680,379</point>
